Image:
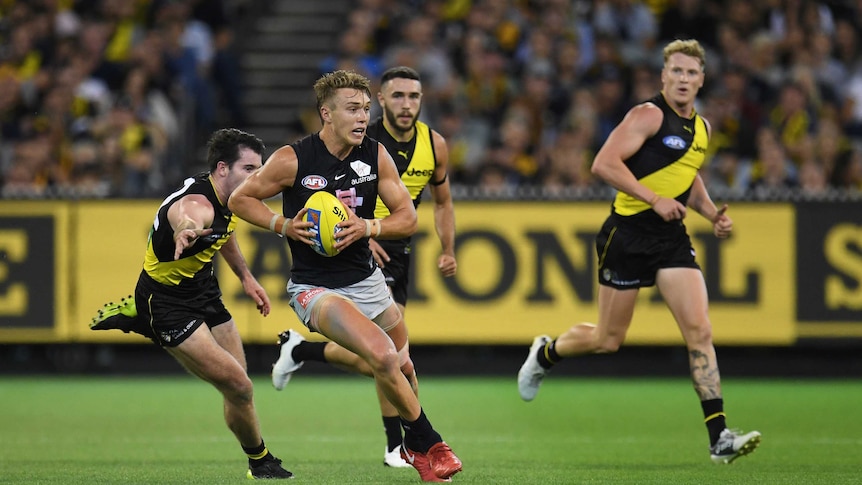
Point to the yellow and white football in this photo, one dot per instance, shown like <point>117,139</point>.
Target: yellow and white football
<point>324,211</point>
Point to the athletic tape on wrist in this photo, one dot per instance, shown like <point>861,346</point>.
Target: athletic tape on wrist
<point>272,222</point>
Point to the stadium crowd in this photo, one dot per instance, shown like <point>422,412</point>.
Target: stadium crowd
<point>103,98</point>
<point>525,91</point>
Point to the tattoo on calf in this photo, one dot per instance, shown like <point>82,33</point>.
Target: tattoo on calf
<point>704,375</point>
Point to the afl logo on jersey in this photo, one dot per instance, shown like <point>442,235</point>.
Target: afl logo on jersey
<point>674,142</point>
<point>313,182</point>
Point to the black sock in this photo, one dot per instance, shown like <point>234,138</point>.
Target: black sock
<point>306,350</point>
<point>714,417</point>
<point>392,427</point>
<point>419,435</point>
<point>257,454</point>
<point>547,355</point>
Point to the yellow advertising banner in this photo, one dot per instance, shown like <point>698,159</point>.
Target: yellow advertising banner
<point>524,268</point>
<point>530,268</point>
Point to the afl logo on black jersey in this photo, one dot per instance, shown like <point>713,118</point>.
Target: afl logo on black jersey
<point>674,142</point>
<point>313,182</point>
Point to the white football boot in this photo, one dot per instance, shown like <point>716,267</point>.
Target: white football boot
<point>285,366</point>
<point>531,374</point>
<point>733,444</point>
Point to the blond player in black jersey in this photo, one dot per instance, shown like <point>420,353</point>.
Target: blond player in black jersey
<point>345,297</point>
<point>652,158</point>
<point>421,157</point>
<point>177,302</point>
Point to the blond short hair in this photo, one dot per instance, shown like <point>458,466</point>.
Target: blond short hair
<point>326,87</point>
<point>689,47</point>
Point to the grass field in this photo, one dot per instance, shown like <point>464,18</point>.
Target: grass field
<point>327,429</point>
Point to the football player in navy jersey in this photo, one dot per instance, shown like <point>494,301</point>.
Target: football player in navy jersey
<point>421,156</point>
<point>652,158</point>
<point>345,297</point>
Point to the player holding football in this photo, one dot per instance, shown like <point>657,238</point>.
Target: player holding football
<point>421,156</point>
<point>345,297</point>
<point>652,158</point>
<point>177,301</point>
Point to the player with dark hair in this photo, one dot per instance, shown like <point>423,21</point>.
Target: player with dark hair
<point>421,156</point>
<point>345,297</point>
<point>652,158</point>
<point>177,302</point>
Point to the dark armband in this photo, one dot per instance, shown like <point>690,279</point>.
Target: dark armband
<point>434,183</point>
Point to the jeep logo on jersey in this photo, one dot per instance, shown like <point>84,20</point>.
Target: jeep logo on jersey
<point>361,168</point>
<point>313,182</point>
<point>674,142</point>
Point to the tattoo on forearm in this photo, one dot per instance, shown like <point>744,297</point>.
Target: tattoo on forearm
<point>704,375</point>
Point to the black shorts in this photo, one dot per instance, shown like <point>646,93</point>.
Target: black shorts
<point>630,258</point>
<point>168,315</point>
<point>397,270</point>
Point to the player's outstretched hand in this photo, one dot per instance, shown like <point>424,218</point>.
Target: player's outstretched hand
<point>186,238</point>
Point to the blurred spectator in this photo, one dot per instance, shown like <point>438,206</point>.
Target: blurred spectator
<point>690,19</point>
<point>225,70</point>
<point>611,102</point>
<point>513,151</point>
<point>131,149</point>
<point>467,140</point>
<point>566,164</point>
<point>812,179</point>
<point>847,173</point>
<point>514,83</point>
<point>420,49</point>
<point>631,22</point>
<point>727,172</point>
<point>772,172</point>
<point>352,54</point>
<point>793,118</point>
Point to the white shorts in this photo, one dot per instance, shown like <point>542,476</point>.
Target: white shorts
<point>370,295</point>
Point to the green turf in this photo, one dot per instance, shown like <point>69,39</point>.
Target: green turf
<point>129,430</point>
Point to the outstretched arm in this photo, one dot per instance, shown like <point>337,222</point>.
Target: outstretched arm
<point>190,217</point>
<point>276,174</point>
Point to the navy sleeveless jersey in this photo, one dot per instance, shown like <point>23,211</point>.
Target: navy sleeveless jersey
<point>354,181</point>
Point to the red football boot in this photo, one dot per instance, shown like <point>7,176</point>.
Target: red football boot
<point>420,462</point>
<point>443,460</point>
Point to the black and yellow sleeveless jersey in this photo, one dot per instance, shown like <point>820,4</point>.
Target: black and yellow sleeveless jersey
<point>667,162</point>
<point>195,263</point>
<point>415,159</point>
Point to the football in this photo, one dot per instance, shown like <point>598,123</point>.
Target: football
<point>324,211</point>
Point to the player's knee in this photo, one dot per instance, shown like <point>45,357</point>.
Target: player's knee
<point>699,335</point>
<point>239,388</point>
<point>385,361</point>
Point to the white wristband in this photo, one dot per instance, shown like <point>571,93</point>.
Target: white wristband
<point>367,227</point>
<point>272,222</point>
